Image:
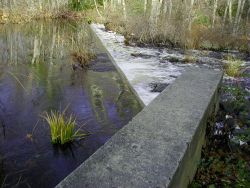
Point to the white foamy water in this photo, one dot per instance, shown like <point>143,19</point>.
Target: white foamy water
<point>140,71</point>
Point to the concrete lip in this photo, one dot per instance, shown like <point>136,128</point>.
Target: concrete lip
<point>161,146</point>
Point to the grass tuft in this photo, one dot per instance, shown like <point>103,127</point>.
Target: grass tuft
<point>189,59</point>
<point>233,67</point>
<point>62,130</point>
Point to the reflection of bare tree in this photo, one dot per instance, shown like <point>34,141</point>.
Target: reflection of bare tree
<point>2,174</point>
<point>37,46</point>
<point>125,101</point>
<point>43,52</point>
<point>33,41</point>
<point>36,51</point>
<point>52,44</point>
<point>2,126</point>
<point>97,103</point>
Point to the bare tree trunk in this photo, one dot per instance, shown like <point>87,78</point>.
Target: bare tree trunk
<point>190,19</point>
<point>225,15</point>
<point>97,9</point>
<point>214,12</point>
<point>124,9</point>
<point>170,8</point>
<point>163,10</point>
<point>248,15</point>
<point>145,6</point>
<point>104,2</point>
<point>238,15</point>
<point>230,10</point>
<point>155,11</point>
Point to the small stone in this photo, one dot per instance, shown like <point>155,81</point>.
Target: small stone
<point>172,59</point>
<point>144,56</point>
<point>237,127</point>
<point>228,116</point>
<point>242,143</point>
<point>216,55</point>
<point>173,76</point>
<point>158,87</point>
<point>230,123</point>
<point>238,131</point>
<point>234,142</point>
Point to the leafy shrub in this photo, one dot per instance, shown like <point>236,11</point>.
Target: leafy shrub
<point>79,5</point>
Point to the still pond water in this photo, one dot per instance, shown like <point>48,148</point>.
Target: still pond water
<point>36,75</point>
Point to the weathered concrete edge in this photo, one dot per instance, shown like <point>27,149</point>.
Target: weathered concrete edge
<point>187,167</point>
<point>117,66</point>
<point>182,173</point>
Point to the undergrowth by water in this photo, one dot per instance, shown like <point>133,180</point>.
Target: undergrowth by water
<point>225,160</point>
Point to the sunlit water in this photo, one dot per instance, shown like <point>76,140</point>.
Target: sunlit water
<point>36,75</point>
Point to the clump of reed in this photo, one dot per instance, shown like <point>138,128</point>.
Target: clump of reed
<point>233,67</point>
<point>63,130</point>
<point>82,60</point>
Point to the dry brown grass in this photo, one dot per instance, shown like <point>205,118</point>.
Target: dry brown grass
<point>69,15</point>
<point>21,15</point>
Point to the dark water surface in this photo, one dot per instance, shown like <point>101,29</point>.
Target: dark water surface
<point>36,75</point>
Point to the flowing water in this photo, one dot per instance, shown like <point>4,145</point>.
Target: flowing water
<point>36,75</point>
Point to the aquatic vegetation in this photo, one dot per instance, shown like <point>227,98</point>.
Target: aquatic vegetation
<point>30,135</point>
<point>233,67</point>
<point>62,130</point>
<point>82,60</point>
<point>18,80</point>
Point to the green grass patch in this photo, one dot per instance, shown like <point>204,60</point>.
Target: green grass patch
<point>202,19</point>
